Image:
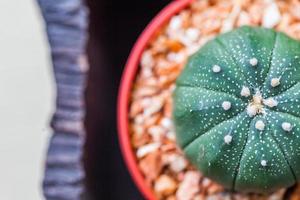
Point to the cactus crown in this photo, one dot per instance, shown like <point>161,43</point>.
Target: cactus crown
<point>237,110</point>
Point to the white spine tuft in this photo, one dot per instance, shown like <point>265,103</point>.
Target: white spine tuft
<point>286,126</point>
<point>228,139</point>
<point>245,92</point>
<point>263,163</point>
<point>226,105</point>
<point>251,110</point>
<point>271,102</point>
<point>253,61</point>
<point>260,125</point>
<point>216,68</point>
<point>275,82</point>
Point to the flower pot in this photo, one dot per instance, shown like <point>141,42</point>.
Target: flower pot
<point>128,78</point>
<point>232,19</point>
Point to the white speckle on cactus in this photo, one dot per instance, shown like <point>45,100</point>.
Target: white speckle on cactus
<point>226,105</point>
<point>286,126</point>
<point>275,82</point>
<point>251,110</point>
<point>216,68</point>
<point>260,125</point>
<point>271,102</point>
<point>228,139</point>
<point>253,61</point>
<point>245,92</point>
<point>263,163</point>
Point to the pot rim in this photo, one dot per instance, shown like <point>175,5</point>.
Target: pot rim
<point>128,77</point>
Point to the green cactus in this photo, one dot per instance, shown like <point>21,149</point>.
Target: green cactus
<point>237,110</point>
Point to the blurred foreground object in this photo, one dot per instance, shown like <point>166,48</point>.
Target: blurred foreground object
<point>66,24</point>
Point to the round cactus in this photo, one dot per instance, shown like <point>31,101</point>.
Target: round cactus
<point>237,110</point>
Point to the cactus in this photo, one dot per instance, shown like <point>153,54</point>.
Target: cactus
<point>237,110</point>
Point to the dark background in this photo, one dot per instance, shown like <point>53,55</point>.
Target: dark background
<point>114,27</point>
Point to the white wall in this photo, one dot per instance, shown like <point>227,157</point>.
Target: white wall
<point>26,100</point>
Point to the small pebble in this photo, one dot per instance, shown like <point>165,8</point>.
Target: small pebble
<point>157,132</point>
<point>178,163</point>
<point>171,135</point>
<point>271,16</point>
<point>146,149</point>
<point>155,105</point>
<point>193,34</point>
<point>167,123</point>
<point>177,57</point>
<point>206,182</point>
<point>191,49</point>
<point>189,186</point>
<point>175,22</point>
<point>147,60</point>
<point>165,185</point>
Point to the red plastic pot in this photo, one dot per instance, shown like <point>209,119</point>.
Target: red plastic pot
<point>127,80</point>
